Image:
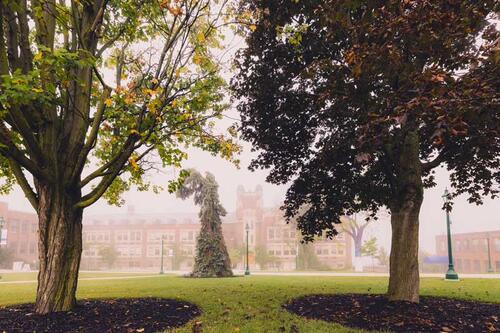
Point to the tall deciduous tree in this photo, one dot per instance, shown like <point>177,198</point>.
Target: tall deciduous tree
<point>212,258</point>
<point>355,229</point>
<point>69,134</point>
<point>357,102</point>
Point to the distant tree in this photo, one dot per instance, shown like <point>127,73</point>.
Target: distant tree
<point>236,255</point>
<point>308,259</point>
<point>108,255</point>
<point>70,134</point>
<point>355,229</point>
<point>5,257</point>
<point>178,257</point>
<point>263,258</point>
<point>369,247</point>
<point>212,258</point>
<point>355,103</point>
<point>382,256</point>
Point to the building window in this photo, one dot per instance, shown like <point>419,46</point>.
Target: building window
<point>14,226</point>
<point>497,244</point>
<point>135,251</point>
<point>153,251</point>
<point>158,235</point>
<point>22,248</point>
<point>270,234</point>
<point>135,236</point>
<point>32,248</point>
<point>187,236</point>
<point>122,236</point>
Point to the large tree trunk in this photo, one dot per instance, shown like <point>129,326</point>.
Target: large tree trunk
<point>60,248</point>
<point>404,274</point>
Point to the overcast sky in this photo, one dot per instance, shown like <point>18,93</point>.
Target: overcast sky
<point>465,217</point>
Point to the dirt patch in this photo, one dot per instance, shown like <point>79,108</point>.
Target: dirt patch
<point>375,312</point>
<point>113,315</point>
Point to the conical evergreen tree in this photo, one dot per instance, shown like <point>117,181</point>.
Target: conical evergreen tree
<point>212,258</point>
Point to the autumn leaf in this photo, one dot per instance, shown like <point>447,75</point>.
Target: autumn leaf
<point>133,163</point>
<point>108,102</point>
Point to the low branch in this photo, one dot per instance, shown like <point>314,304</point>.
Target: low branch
<point>23,183</point>
<point>427,166</point>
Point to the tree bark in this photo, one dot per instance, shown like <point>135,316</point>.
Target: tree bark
<point>404,281</point>
<point>60,248</point>
<point>358,243</point>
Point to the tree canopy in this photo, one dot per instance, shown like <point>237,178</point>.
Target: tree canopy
<point>355,103</point>
<point>93,95</point>
<point>329,90</point>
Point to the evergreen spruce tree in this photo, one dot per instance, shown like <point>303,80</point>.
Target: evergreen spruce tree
<point>212,258</point>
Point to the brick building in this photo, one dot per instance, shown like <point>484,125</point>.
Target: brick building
<point>135,239</point>
<point>470,251</point>
<point>21,233</point>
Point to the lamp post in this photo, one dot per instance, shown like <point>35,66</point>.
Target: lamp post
<point>247,268</point>
<point>490,268</point>
<point>161,255</point>
<point>2,223</point>
<point>451,275</point>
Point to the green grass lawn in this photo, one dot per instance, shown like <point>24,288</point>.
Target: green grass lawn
<point>253,304</point>
<point>30,276</point>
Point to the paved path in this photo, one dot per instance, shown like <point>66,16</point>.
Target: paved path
<point>333,274</point>
<point>425,275</point>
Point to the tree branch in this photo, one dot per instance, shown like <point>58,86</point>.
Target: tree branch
<point>23,183</point>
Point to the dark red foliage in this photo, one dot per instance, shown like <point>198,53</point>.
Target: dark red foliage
<point>116,315</point>
<point>375,312</point>
<point>330,89</point>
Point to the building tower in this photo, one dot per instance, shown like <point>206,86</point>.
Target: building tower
<point>249,210</point>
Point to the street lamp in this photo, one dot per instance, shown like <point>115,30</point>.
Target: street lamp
<point>451,275</point>
<point>2,224</point>
<point>161,255</point>
<point>247,268</point>
<point>490,268</point>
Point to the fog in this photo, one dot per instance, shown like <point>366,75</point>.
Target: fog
<point>465,217</point>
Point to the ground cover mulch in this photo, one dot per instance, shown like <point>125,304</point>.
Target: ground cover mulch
<point>375,312</point>
<point>116,315</point>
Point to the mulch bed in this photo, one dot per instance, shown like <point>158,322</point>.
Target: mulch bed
<point>116,315</point>
<point>375,312</point>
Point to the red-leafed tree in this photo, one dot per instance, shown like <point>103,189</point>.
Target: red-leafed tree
<point>357,102</point>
